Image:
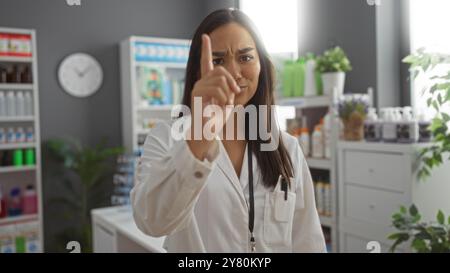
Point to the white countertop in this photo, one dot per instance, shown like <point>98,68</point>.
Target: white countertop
<point>121,220</point>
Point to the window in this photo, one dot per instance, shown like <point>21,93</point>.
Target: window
<point>276,22</point>
<point>430,25</point>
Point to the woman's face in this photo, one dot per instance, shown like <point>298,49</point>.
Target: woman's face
<point>233,48</point>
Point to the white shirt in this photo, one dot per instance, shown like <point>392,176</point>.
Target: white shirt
<point>202,206</point>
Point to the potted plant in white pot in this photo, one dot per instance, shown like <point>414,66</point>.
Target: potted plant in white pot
<point>333,65</point>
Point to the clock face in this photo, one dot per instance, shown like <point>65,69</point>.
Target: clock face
<point>80,75</point>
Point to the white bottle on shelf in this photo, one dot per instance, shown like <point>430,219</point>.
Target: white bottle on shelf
<point>304,141</point>
<point>408,127</point>
<point>319,187</point>
<point>20,104</point>
<point>20,135</point>
<point>389,128</point>
<point>11,135</point>
<point>317,142</point>
<point>10,104</point>
<point>372,126</point>
<point>29,137</point>
<point>310,80</point>
<point>28,104</point>
<point>423,123</point>
<point>2,104</point>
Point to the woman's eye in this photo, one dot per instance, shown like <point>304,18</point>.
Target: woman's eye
<point>217,61</point>
<point>246,58</point>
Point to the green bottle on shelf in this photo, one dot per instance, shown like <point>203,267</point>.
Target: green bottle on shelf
<point>299,78</point>
<point>288,79</point>
<point>30,158</point>
<point>18,158</point>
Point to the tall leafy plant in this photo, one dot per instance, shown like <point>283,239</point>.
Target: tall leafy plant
<point>438,97</point>
<point>428,237</point>
<point>82,177</point>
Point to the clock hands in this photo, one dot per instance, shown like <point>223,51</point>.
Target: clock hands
<point>82,72</point>
<point>86,70</point>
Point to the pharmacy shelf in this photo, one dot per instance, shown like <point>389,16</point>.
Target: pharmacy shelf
<point>14,169</point>
<point>15,86</point>
<point>328,165</point>
<point>17,219</point>
<point>7,146</point>
<point>306,102</point>
<point>326,221</point>
<point>163,54</point>
<point>10,173</point>
<point>17,119</point>
<point>14,59</point>
<point>319,163</point>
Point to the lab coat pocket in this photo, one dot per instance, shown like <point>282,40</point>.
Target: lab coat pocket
<point>278,217</point>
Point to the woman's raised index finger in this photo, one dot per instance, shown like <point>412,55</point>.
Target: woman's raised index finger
<point>206,63</point>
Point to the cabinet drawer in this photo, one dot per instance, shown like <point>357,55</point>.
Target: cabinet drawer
<point>371,205</point>
<point>380,170</point>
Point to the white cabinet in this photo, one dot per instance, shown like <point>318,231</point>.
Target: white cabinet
<point>375,179</point>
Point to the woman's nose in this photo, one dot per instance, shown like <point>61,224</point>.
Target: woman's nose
<point>235,69</point>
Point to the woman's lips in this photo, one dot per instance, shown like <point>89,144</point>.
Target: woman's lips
<point>243,88</point>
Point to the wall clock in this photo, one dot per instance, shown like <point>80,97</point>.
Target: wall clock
<point>80,75</point>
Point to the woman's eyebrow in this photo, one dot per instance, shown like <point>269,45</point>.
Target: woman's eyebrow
<point>223,53</point>
<point>245,50</point>
<point>219,53</point>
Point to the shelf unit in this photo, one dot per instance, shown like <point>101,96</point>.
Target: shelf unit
<point>11,176</point>
<point>167,55</point>
<point>307,106</point>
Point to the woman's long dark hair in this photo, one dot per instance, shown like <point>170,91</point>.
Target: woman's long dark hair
<point>271,163</point>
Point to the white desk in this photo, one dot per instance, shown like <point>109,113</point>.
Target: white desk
<point>114,230</point>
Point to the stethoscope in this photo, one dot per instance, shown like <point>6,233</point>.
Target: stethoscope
<point>251,213</point>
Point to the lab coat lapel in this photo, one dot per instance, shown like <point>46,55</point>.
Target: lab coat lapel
<point>224,163</point>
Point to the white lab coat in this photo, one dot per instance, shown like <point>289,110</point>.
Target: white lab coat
<point>202,206</point>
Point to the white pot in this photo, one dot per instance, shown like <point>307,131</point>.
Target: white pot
<point>331,80</point>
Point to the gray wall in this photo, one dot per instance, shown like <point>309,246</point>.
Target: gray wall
<point>95,28</point>
<point>213,5</point>
<point>388,53</point>
<point>347,23</point>
<point>374,38</point>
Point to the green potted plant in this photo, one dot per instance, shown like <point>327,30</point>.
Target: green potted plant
<point>82,179</point>
<point>333,64</point>
<point>423,237</point>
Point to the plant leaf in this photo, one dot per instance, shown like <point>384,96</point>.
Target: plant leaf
<point>402,209</point>
<point>413,210</point>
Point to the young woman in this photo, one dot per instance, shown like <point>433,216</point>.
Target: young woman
<point>219,194</point>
